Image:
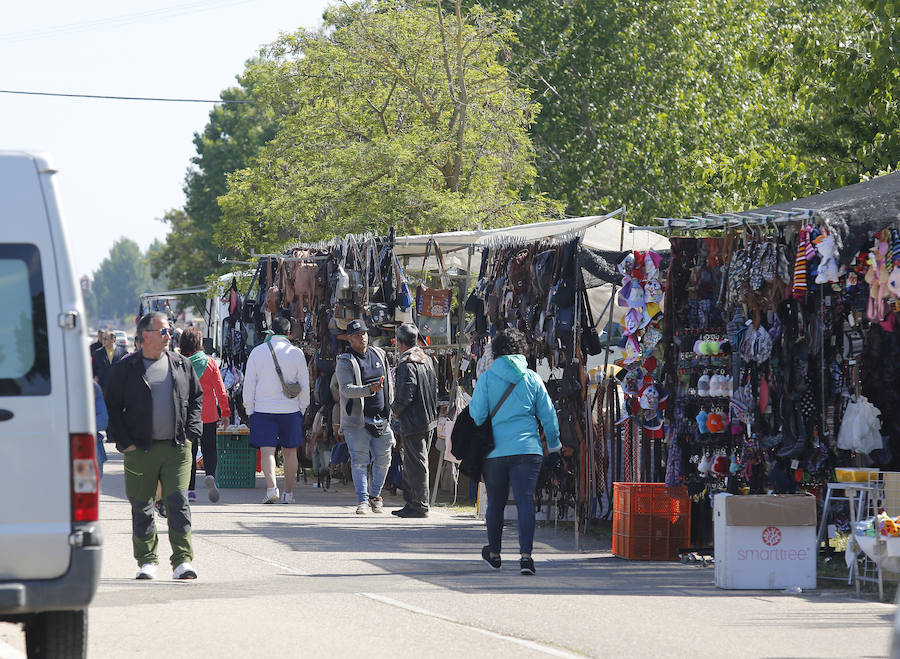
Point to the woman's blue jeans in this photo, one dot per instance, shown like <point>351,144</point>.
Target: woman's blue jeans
<point>365,448</point>
<point>520,472</point>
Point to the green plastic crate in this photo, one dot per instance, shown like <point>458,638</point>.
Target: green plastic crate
<point>237,461</point>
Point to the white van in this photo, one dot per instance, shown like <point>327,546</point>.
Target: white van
<point>49,490</point>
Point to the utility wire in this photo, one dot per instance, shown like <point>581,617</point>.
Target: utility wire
<point>123,98</point>
<point>117,21</point>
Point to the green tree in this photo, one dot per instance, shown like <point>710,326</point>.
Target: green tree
<point>120,280</point>
<point>846,74</point>
<point>234,133</point>
<point>394,113</point>
<point>666,107</point>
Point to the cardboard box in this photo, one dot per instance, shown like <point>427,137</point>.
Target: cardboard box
<point>765,542</point>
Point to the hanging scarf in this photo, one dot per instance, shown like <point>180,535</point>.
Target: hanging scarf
<point>199,361</point>
<point>799,287</point>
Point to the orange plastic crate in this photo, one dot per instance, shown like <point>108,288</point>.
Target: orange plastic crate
<point>650,521</point>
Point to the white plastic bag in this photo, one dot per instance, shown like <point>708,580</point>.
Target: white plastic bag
<point>860,427</point>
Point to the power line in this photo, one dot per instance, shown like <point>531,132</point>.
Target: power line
<point>117,21</point>
<point>122,98</point>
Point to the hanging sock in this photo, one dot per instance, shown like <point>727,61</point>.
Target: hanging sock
<point>799,286</point>
<point>895,245</point>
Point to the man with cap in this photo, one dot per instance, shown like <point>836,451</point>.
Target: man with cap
<point>366,396</point>
<point>415,404</point>
<point>276,419</point>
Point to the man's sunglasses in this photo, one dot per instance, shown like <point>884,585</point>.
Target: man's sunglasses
<point>165,331</point>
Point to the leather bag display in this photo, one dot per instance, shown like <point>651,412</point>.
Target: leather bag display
<point>434,302</point>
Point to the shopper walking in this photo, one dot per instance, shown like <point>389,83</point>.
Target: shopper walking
<point>366,397</point>
<point>105,356</point>
<point>517,455</point>
<point>154,401</point>
<point>96,344</point>
<point>215,406</point>
<point>275,418</point>
<point>415,407</point>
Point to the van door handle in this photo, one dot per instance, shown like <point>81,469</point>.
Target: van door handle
<point>5,415</point>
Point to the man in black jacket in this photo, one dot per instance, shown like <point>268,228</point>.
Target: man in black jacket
<point>154,400</point>
<point>104,357</point>
<point>415,404</point>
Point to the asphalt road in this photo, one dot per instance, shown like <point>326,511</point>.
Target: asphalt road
<point>313,578</point>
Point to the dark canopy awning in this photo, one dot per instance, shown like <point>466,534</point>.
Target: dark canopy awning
<point>863,207</point>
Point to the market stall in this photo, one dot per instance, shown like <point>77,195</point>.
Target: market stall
<point>780,337</point>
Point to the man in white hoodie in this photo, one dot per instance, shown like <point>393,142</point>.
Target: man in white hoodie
<point>276,419</point>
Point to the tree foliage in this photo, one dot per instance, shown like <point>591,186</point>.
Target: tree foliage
<point>394,113</point>
<point>234,133</point>
<point>120,280</point>
<point>846,58</point>
<point>666,107</point>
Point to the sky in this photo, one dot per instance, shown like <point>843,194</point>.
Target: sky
<point>121,164</point>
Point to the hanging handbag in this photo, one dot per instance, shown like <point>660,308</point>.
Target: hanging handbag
<point>518,272</point>
<point>404,298</point>
<point>590,338</point>
<point>379,314</point>
<point>273,294</point>
<point>435,327</point>
<point>542,269</point>
<point>344,312</point>
<point>290,389</point>
<point>434,302</point>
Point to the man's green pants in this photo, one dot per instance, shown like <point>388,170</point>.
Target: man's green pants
<point>170,465</point>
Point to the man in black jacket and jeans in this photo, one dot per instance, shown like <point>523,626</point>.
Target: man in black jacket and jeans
<point>154,401</point>
<point>415,404</point>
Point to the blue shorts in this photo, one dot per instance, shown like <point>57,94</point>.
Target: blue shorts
<point>285,430</point>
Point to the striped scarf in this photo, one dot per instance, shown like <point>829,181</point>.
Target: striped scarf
<point>798,290</point>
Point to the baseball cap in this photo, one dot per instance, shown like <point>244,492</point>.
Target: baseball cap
<point>355,327</point>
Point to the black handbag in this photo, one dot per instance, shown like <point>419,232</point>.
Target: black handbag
<point>590,339</point>
<point>471,443</point>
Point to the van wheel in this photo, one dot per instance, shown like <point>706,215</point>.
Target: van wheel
<point>57,634</point>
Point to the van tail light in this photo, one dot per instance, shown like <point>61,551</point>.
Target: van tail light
<point>85,480</point>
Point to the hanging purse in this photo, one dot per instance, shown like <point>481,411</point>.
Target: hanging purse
<point>273,294</point>
<point>434,302</point>
<point>590,339</point>
<point>435,327</point>
<point>341,283</point>
<point>404,297</point>
<point>518,272</point>
<point>379,314</point>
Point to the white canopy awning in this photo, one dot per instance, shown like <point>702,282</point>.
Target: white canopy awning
<point>601,232</point>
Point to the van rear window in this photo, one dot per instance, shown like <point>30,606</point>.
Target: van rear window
<point>24,351</point>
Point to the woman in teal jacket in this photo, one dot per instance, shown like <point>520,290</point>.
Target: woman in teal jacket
<point>517,455</point>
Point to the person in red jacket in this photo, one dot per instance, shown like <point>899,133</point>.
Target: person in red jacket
<point>215,406</point>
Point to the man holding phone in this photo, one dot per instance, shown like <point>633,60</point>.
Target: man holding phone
<point>366,397</point>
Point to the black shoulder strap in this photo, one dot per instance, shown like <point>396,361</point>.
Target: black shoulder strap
<point>512,385</point>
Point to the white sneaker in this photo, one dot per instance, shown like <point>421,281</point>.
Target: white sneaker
<point>271,495</point>
<point>362,508</point>
<point>377,504</point>
<point>212,488</point>
<point>184,571</point>
<point>287,497</point>
<point>147,571</point>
